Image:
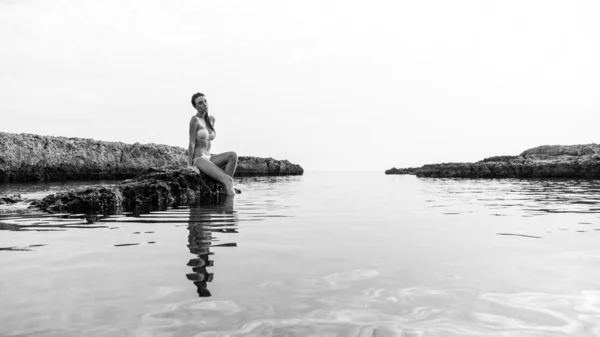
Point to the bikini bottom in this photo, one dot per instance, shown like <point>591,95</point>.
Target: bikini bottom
<point>206,156</point>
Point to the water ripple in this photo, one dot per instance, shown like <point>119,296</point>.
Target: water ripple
<point>427,312</point>
<point>532,197</point>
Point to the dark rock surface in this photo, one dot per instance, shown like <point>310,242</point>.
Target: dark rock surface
<point>162,187</point>
<point>254,166</point>
<point>10,199</point>
<point>28,157</point>
<point>408,170</point>
<point>548,161</point>
<point>498,159</point>
<point>561,151</point>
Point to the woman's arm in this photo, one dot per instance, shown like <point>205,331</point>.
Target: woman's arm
<point>213,133</point>
<point>192,145</point>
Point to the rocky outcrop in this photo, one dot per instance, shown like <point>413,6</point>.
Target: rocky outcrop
<point>162,187</point>
<point>549,161</point>
<point>28,157</point>
<point>584,168</point>
<point>561,151</point>
<point>408,170</point>
<point>254,166</point>
<point>10,199</point>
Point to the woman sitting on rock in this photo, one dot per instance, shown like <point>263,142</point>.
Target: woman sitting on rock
<point>202,132</point>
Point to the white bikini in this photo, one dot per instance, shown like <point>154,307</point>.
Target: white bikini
<point>206,156</point>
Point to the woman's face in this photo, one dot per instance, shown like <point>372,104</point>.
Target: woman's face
<point>201,104</point>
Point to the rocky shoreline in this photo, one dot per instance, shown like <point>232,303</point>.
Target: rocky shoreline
<point>548,161</point>
<point>6,199</point>
<point>28,157</point>
<point>158,187</point>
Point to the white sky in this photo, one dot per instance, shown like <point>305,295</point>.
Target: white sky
<point>329,85</point>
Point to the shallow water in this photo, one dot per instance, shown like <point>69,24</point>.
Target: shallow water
<point>324,254</point>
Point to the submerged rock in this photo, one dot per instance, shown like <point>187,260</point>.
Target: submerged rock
<point>549,161</point>
<point>165,186</point>
<point>28,157</point>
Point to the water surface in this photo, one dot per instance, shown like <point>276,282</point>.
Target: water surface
<point>324,254</point>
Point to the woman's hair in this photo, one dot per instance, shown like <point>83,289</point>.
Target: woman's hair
<point>194,96</point>
<point>206,119</point>
<point>208,123</point>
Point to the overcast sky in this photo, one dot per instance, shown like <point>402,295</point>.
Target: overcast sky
<point>329,85</point>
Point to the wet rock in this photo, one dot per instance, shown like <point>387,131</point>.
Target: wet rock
<point>163,187</point>
<point>549,161</point>
<point>28,157</point>
<point>10,199</point>
<point>88,200</point>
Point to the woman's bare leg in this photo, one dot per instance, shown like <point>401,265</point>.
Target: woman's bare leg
<point>227,159</point>
<point>213,171</point>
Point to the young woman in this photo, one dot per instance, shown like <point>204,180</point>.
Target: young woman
<point>202,132</point>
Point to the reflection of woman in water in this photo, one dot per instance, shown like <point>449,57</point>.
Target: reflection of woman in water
<point>202,132</point>
<point>199,243</point>
<point>206,219</point>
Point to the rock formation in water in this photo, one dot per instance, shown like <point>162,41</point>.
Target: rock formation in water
<point>254,166</point>
<point>10,199</point>
<point>162,187</point>
<point>408,170</point>
<point>548,161</point>
<point>28,157</point>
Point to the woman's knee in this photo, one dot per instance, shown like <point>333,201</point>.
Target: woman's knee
<point>227,180</point>
<point>233,156</point>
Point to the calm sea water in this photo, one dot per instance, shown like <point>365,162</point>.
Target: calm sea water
<point>324,254</point>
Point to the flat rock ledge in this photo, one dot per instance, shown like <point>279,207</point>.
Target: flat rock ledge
<point>255,166</point>
<point>408,170</point>
<point>162,187</point>
<point>548,161</point>
<point>28,157</point>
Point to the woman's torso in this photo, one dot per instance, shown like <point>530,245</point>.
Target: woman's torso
<point>203,136</point>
